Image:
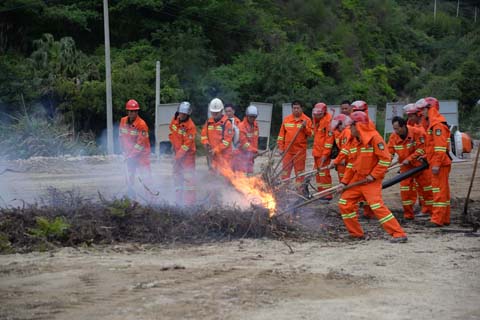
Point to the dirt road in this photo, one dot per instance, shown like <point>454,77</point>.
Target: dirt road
<point>433,276</point>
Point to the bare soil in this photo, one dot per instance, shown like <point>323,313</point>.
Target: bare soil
<point>433,276</point>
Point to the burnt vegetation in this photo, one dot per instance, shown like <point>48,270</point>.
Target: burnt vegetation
<point>67,219</point>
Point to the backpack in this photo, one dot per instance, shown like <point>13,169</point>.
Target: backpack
<point>335,150</point>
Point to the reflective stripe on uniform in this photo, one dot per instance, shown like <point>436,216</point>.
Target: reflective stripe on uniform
<point>384,163</point>
<point>375,206</point>
<point>440,149</point>
<point>440,204</point>
<point>325,185</point>
<point>349,215</point>
<point>387,218</point>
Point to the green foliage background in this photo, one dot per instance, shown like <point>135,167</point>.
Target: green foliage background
<point>52,54</point>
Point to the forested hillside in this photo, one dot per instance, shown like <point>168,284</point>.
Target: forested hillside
<point>52,54</point>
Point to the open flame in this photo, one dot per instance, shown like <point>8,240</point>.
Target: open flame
<point>251,187</point>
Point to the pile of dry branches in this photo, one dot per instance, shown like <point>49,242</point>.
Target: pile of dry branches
<point>67,219</point>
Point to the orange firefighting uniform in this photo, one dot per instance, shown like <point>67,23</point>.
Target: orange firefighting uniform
<point>438,145</point>
<point>289,128</point>
<point>426,207</point>
<point>372,159</point>
<point>342,139</point>
<point>182,136</point>
<point>218,136</point>
<point>247,147</point>
<point>322,147</point>
<point>411,148</point>
<point>135,145</point>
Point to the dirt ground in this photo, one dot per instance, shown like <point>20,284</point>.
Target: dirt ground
<point>433,276</point>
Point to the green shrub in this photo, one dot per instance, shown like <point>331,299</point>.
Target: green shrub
<point>50,229</point>
<point>29,136</point>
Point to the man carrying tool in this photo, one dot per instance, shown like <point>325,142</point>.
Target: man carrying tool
<point>437,145</point>
<point>292,143</point>
<point>341,131</point>
<point>360,105</point>
<point>248,142</point>
<point>416,119</point>
<point>182,136</point>
<point>408,143</point>
<point>217,136</point>
<point>370,165</point>
<point>135,145</point>
<point>322,146</point>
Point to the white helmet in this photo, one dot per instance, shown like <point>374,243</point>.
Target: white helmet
<point>251,111</point>
<point>216,105</point>
<point>184,107</point>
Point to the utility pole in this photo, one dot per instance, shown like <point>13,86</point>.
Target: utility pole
<point>157,110</point>
<point>475,19</point>
<point>108,79</point>
<point>435,11</point>
<point>458,7</point>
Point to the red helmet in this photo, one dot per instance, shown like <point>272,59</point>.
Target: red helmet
<point>132,105</point>
<point>427,103</point>
<point>340,118</point>
<point>410,108</point>
<point>359,116</point>
<point>319,108</point>
<point>359,105</point>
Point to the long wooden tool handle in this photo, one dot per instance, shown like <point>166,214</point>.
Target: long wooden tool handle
<point>303,174</point>
<point>261,153</point>
<point>321,194</point>
<point>465,208</point>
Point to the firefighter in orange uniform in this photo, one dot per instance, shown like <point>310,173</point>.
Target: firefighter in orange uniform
<point>408,143</point>
<point>341,133</point>
<point>217,136</point>
<point>248,141</point>
<point>341,128</point>
<point>424,191</point>
<point>415,117</point>
<point>322,145</point>
<point>182,136</point>
<point>370,164</point>
<point>296,156</point>
<point>135,144</point>
<point>438,145</point>
<point>360,105</point>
